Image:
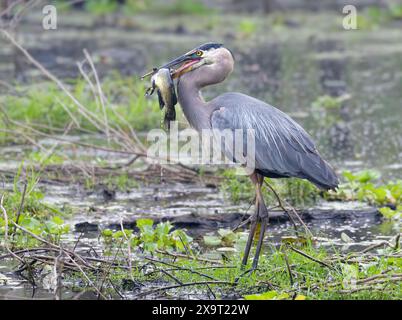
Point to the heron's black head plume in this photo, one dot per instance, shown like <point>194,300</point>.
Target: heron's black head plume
<point>209,45</point>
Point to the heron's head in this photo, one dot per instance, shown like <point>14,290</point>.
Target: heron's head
<point>203,59</point>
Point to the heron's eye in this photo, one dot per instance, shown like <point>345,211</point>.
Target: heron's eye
<point>198,53</point>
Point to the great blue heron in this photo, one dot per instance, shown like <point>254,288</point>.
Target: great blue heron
<point>283,148</point>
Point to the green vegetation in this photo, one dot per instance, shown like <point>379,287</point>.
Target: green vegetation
<point>374,17</point>
<point>286,272</point>
<point>121,182</point>
<point>118,182</point>
<point>396,11</point>
<point>51,229</point>
<point>326,109</point>
<point>33,204</point>
<point>225,237</point>
<point>131,7</point>
<point>390,214</point>
<point>45,159</point>
<point>334,277</point>
<point>247,28</point>
<point>150,237</point>
<point>25,207</point>
<point>272,295</point>
<point>101,7</point>
<point>46,106</point>
<point>166,259</point>
<point>296,191</point>
<point>176,7</point>
<point>361,186</point>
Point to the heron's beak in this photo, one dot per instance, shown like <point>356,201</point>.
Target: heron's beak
<point>184,62</point>
<point>185,67</point>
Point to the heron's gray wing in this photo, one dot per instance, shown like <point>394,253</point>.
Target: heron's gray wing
<point>282,147</point>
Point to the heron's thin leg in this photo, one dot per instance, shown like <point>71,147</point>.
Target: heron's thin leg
<point>263,216</point>
<point>264,222</point>
<point>257,180</point>
<point>253,226</point>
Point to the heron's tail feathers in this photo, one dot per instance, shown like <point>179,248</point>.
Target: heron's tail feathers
<point>321,174</point>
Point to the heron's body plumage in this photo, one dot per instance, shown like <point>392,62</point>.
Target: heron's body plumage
<point>282,147</point>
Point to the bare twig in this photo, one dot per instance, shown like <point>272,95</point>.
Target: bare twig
<point>21,206</point>
<point>86,277</point>
<point>288,267</point>
<point>310,257</point>
<point>307,230</point>
<point>128,248</point>
<point>179,255</point>
<point>177,268</point>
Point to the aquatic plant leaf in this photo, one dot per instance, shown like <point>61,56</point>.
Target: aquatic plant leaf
<point>270,295</point>
<point>350,273</point>
<point>107,233</point>
<point>388,213</point>
<point>122,235</point>
<point>163,229</point>
<point>135,242</point>
<point>212,241</point>
<point>51,227</point>
<point>31,224</point>
<point>181,239</point>
<point>150,247</point>
<point>225,232</point>
<point>141,223</point>
<point>349,176</point>
<point>57,220</point>
<point>299,240</point>
<point>228,237</point>
<point>367,175</point>
<point>147,234</point>
<point>346,238</point>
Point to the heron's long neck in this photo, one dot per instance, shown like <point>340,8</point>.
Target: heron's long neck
<point>194,106</point>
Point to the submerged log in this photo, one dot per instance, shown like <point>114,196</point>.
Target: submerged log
<point>209,222</point>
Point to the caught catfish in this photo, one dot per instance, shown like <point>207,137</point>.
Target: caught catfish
<point>163,83</point>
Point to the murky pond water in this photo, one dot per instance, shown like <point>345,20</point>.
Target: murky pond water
<point>289,70</point>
